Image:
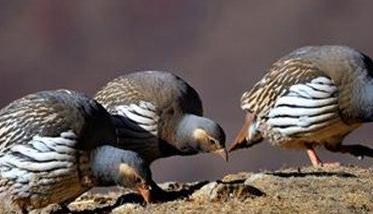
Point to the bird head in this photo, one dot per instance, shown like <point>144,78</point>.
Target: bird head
<point>202,135</point>
<point>248,135</point>
<point>136,176</point>
<point>111,165</point>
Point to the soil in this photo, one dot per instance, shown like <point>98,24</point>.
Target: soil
<point>334,189</point>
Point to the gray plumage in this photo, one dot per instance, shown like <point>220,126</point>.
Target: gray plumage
<point>148,108</point>
<point>45,142</point>
<point>315,95</point>
<point>106,161</point>
<point>186,128</point>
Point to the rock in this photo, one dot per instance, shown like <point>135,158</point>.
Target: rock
<point>176,186</point>
<point>128,208</point>
<point>304,190</point>
<point>220,190</point>
<point>252,178</point>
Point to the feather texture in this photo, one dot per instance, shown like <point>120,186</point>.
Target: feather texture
<point>147,108</point>
<point>312,95</point>
<point>45,142</point>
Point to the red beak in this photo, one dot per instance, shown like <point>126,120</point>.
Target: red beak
<point>145,192</point>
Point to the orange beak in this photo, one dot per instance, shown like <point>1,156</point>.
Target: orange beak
<point>241,138</point>
<point>145,192</point>
<point>222,153</point>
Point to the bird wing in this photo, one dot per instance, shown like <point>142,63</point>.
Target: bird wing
<point>41,162</point>
<point>294,98</point>
<point>142,108</point>
<point>51,113</point>
<point>30,116</point>
<point>137,128</point>
<point>41,154</point>
<point>137,121</point>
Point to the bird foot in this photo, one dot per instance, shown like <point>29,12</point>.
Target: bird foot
<point>331,165</point>
<point>316,162</point>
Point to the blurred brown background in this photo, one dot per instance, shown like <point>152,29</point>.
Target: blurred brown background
<point>219,47</point>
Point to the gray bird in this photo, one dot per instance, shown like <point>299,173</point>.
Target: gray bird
<point>46,141</point>
<point>313,96</point>
<point>114,166</point>
<point>158,114</point>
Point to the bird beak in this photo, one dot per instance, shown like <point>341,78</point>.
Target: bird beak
<point>223,153</point>
<point>241,139</point>
<point>145,192</point>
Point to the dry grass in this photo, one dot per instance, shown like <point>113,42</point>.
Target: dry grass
<point>306,190</point>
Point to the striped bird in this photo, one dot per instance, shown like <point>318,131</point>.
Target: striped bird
<point>313,96</point>
<point>45,144</point>
<point>159,115</point>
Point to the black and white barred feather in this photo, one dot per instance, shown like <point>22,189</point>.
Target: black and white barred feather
<point>45,139</point>
<point>314,94</point>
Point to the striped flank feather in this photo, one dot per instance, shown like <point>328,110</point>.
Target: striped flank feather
<point>305,108</point>
<point>44,167</point>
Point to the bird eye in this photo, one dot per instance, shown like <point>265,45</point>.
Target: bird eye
<point>138,180</point>
<point>212,141</point>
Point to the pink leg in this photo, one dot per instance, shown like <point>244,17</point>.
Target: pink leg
<point>315,160</point>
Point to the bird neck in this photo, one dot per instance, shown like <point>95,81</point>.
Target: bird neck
<point>184,134</point>
<point>105,167</point>
<point>355,90</point>
<point>364,102</point>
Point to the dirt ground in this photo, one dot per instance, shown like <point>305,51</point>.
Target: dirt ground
<point>341,189</point>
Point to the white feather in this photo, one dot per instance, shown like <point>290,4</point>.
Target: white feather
<point>305,107</point>
<point>142,120</point>
<point>298,129</point>
<point>127,111</point>
<point>306,91</point>
<point>300,101</point>
<point>322,80</point>
<point>298,111</point>
<point>41,154</point>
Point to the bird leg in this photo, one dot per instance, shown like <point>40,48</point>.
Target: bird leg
<point>315,160</point>
<point>357,150</point>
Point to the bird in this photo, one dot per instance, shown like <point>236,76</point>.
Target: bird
<point>157,114</point>
<point>53,145</point>
<point>313,96</point>
<point>111,166</point>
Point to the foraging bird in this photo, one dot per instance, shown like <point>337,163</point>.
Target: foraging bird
<point>157,114</point>
<point>114,166</point>
<point>46,141</point>
<point>313,96</point>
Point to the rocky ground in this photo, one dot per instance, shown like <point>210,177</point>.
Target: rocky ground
<point>303,190</point>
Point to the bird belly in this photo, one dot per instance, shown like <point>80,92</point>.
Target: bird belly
<point>332,134</point>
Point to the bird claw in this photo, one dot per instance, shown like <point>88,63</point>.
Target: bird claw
<point>331,165</point>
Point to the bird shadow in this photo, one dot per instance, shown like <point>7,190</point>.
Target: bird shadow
<point>134,198</point>
<point>184,192</point>
<point>127,198</point>
<point>307,174</point>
